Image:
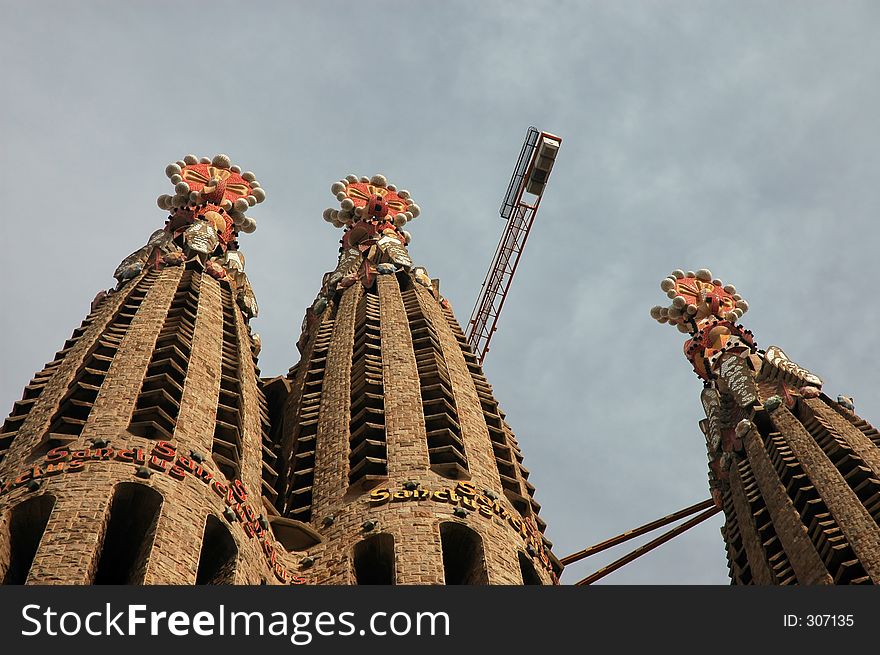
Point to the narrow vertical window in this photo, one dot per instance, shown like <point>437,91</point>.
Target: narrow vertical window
<point>464,561</point>
<point>529,575</point>
<point>27,522</point>
<point>218,556</point>
<point>368,457</point>
<point>305,432</point>
<point>158,403</point>
<point>129,535</point>
<point>445,444</point>
<point>75,407</point>
<point>227,444</point>
<point>374,560</point>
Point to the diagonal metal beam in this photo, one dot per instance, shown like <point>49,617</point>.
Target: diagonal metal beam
<point>636,532</point>
<point>651,545</point>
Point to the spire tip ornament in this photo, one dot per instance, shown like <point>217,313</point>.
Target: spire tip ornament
<point>206,215</point>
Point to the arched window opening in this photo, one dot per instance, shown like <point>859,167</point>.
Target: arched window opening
<point>464,561</point>
<point>374,560</point>
<point>129,535</point>
<point>529,575</point>
<point>27,523</point>
<point>219,555</point>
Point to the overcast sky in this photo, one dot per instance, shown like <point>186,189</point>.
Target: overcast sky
<point>737,136</point>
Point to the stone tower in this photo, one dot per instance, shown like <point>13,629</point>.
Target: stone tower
<point>392,446</point>
<point>137,455</point>
<point>796,473</point>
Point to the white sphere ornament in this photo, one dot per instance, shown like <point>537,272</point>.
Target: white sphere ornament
<point>221,161</point>
<point>172,169</point>
<point>182,188</point>
<point>247,176</point>
<point>347,204</point>
<point>378,180</point>
<point>251,200</point>
<point>259,194</point>
<point>191,159</point>
<point>241,205</point>
<point>338,187</point>
<point>205,160</point>
<point>248,225</point>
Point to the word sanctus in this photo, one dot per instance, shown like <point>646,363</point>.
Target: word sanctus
<point>164,458</point>
<point>464,494</point>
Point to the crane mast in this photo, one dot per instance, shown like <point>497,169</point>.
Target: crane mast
<point>519,209</point>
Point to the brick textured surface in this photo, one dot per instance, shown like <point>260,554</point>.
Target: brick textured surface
<point>71,544</point>
<point>855,522</point>
<point>802,554</point>
<point>413,524</point>
<point>760,569</point>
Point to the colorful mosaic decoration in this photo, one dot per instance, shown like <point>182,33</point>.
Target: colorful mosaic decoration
<point>206,215</point>
<point>738,378</point>
<point>372,214</point>
<point>706,309</point>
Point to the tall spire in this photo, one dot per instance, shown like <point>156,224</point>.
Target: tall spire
<point>797,474</point>
<point>392,446</point>
<point>153,415</point>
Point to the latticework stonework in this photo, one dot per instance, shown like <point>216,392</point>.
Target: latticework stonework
<point>388,411</point>
<point>119,462</point>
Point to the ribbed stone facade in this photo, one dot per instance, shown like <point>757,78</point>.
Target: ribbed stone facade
<point>796,473</point>
<point>105,457</point>
<point>803,504</point>
<point>424,468</point>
